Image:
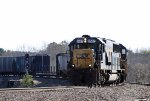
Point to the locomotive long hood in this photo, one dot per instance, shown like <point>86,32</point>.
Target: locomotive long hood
<point>83,58</point>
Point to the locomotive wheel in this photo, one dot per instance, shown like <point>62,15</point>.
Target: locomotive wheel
<point>122,77</point>
<point>119,79</point>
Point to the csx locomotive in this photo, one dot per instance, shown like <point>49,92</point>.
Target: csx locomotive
<point>97,61</point>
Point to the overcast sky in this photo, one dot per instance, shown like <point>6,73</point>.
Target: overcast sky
<point>36,22</point>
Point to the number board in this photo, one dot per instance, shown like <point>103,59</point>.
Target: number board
<point>91,41</point>
<point>79,40</point>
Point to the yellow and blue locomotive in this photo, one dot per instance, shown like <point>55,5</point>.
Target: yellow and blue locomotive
<point>97,61</point>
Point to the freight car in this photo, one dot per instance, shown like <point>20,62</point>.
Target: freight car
<point>39,64</point>
<point>19,65</point>
<point>12,65</point>
<point>97,61</point>
<point>62,64</point>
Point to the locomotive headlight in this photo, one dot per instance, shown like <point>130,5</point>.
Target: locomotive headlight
<point>84,40</point>
<point>90,65</point>
<point>73,65</point>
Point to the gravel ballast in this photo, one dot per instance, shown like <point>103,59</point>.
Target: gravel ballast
<point>127,92</point>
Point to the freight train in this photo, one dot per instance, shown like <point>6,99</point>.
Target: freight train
<point>90,60</point>
<point>97,61</point>
<point>19,65</point>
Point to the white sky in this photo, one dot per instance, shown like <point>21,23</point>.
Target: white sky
<point>35,22</point>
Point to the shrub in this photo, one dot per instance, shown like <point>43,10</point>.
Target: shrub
<point>27,81</point>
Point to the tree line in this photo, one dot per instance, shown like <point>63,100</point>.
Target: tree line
<point>139,66</point>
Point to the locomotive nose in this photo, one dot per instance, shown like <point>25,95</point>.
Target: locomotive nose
<point>83,58</point>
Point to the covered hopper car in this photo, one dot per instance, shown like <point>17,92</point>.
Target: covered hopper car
<point>62,64</point>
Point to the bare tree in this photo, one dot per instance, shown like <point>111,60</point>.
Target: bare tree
<point>53,49</point>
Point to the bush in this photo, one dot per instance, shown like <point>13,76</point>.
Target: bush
<point>27,81</point>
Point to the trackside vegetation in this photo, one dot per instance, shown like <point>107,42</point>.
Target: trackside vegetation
<point>27,81</point>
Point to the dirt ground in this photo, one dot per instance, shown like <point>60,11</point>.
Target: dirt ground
<point>126,92</point>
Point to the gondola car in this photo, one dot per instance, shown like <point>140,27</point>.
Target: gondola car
<point>39,64</point>
<point>19,65</point>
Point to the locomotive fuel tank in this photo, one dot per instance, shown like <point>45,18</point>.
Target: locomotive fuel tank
<point>113,77</point>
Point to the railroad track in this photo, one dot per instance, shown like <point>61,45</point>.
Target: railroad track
<point>56,88</point>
